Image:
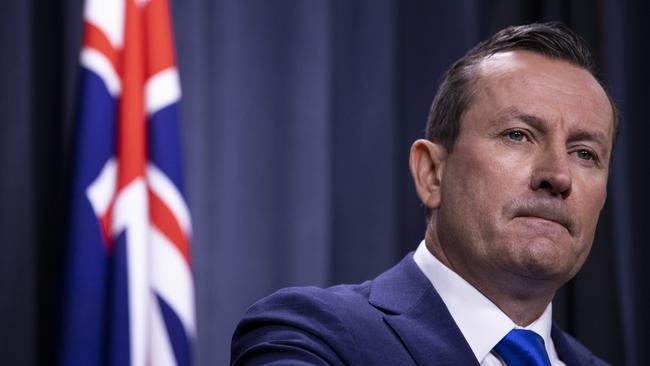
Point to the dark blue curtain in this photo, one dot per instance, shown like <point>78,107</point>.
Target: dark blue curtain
<point>297,118</point>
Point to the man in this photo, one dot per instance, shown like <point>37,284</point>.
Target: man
<point>513,174</point>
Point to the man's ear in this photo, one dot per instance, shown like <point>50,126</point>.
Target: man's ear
<point>427,163</point>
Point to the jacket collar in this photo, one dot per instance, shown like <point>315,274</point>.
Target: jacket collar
<point>415,311</point>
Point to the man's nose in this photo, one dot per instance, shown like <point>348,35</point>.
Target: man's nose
<point>552,173</point>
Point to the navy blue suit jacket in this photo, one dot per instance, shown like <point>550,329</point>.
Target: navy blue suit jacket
<point>396,319</point>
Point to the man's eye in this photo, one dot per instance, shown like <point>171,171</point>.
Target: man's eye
<point>585,155</point>
<point>516,135</point>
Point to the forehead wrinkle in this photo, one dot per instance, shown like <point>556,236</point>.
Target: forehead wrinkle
<point>532,120</point>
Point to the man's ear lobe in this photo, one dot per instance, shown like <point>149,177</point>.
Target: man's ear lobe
<point>427,163</point>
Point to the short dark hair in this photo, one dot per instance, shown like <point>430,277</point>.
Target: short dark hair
<point>454,96</point>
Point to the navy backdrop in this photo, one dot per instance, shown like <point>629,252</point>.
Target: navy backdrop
<point>297,117</point>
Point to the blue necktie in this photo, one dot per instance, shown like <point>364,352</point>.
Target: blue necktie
<point>522,347</point>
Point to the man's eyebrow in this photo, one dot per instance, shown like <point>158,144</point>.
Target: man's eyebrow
<point>595,136</point>
<point>541,124</point>
<point>529,119</point>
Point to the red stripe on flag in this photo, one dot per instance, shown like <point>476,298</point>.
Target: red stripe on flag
<point>131,143</point>
<point>95,38</point>
<point>166,222</point>
<point>105,224</point>
<point>160,50</point>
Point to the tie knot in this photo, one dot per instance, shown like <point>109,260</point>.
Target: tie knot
<point>522,347</point>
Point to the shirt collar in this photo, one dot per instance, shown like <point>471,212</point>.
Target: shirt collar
<point>482,323</point>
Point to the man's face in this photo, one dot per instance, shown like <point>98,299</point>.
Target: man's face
<point>522,190</point>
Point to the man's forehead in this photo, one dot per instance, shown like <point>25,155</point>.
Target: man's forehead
<point>544,79</point>
<point>499,62</point>
<point>524,61</point>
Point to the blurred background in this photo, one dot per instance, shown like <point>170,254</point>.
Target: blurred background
<point>297,118</point>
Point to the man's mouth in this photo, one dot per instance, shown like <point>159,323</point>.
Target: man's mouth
<point>546,212</point>
<point>544,219</point>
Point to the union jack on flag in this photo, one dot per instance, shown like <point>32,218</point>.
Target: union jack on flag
<point>129,296</point>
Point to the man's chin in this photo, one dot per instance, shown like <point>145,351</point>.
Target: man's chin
<point>543,259</point>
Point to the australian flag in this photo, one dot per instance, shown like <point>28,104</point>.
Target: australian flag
<point>129,297</point>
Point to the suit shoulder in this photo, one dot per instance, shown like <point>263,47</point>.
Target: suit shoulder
<point>308,321</point>
<point>318,310</point>
<point>340,296</point>
<point>579,348</point>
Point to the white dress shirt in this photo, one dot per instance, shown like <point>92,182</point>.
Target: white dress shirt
<point>482,323</point>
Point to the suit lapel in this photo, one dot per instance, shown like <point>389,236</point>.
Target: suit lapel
<point>565,351</point>
<point>417,314</point>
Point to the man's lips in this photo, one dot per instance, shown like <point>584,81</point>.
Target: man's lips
<point>557,213</point>
<point>544,219</point>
